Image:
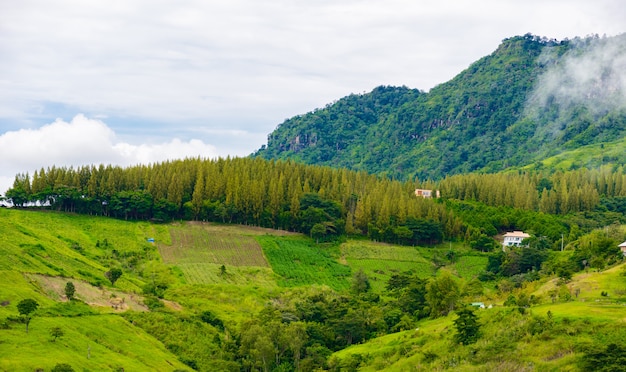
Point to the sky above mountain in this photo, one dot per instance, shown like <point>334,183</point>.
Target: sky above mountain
<point>127,82</point>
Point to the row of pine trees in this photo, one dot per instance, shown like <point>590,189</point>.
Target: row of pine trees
<point>297,197</point>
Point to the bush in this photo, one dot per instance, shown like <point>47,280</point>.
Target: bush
<point>210,318</point>
<point>62,367</point>
<point>153,303</point>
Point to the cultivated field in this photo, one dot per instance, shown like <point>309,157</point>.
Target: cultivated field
<point>470,266</point>
<point>200,249</point>
<point>380,261</point>
<point>300,261</point>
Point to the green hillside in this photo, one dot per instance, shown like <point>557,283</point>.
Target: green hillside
<point>207,297</point>
<point>564,334</point>
<point>527,101</point>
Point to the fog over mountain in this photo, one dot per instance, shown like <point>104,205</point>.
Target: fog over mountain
<point>592,75</point>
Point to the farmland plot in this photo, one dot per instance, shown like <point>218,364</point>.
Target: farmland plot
<point>380,261</point>
<point>204,243</point>
<point>203,273</point>
<point>200,249</point>
<point>301,262</point>
<point>470,266</point>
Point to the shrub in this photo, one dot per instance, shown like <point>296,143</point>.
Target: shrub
<point>62,367</point>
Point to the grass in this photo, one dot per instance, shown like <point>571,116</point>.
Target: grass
<point>76,246</point>
<point>470,266</point>
<point>19,289</point>
<point>586,156</point>
<point>380,261</point>
<point>41,251</point>
<point>299,262</point>
<point>96,343</point>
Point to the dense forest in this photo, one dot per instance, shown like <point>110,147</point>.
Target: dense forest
<point>525,102</point>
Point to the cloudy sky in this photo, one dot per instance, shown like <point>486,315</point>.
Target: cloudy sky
<point>136,81</point>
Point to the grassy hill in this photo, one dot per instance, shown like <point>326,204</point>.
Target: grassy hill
<point>548,336</point>
<point>207,297</point>
<point>40,252</point>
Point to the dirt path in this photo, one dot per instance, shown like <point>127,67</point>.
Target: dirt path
<point>113,300</point>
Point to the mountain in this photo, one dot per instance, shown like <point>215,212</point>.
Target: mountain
<point>531,99</point>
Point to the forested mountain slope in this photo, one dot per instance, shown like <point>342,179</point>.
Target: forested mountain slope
<point>530,99</point>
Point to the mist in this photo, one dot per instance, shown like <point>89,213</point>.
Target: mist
<point>590,75</point>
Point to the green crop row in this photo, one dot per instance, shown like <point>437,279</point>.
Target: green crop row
<point>299,261</point>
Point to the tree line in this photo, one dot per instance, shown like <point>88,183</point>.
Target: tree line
<point>547,192</point>
<point>324,202</point>
<point>314,200</point>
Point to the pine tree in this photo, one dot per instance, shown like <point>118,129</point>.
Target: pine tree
<point>467,327</point>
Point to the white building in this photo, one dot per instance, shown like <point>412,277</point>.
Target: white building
<point>514,238</point>
<point>427,194</point>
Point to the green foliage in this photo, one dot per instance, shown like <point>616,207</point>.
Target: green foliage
<point>299,262</point>
<point>192,340</point>
<point>411,293</point>
<point>607,358</point>
<point>210,318</point>
<point>63,367</point>
<point>70,290</point>
<point>113,275</point>
<point>442,294</point>
<point>484,243</point>
<point>360,282</point>
<point>27,306</point>
<point>56,332</point>
<point>467,327</point>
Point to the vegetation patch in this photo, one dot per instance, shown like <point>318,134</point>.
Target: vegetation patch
<point>300,261</point>
<point>470,266</point>
<point>379,261</point>
<point>96,343</point>
<point>211,273</point>
<point>197,243</point>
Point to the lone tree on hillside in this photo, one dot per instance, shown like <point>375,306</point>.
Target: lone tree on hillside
<point>56,332</point>
<point>26,307</point>
<point>69,291</point>
<point>113,275</point>
<point>467,327</point>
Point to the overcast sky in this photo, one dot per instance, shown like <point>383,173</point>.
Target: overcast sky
<point>133,81</point>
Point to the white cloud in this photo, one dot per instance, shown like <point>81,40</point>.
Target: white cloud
<point>216,66</point>
<point>84,141</point>
<point>264,60</point>
<point>591,74</point>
